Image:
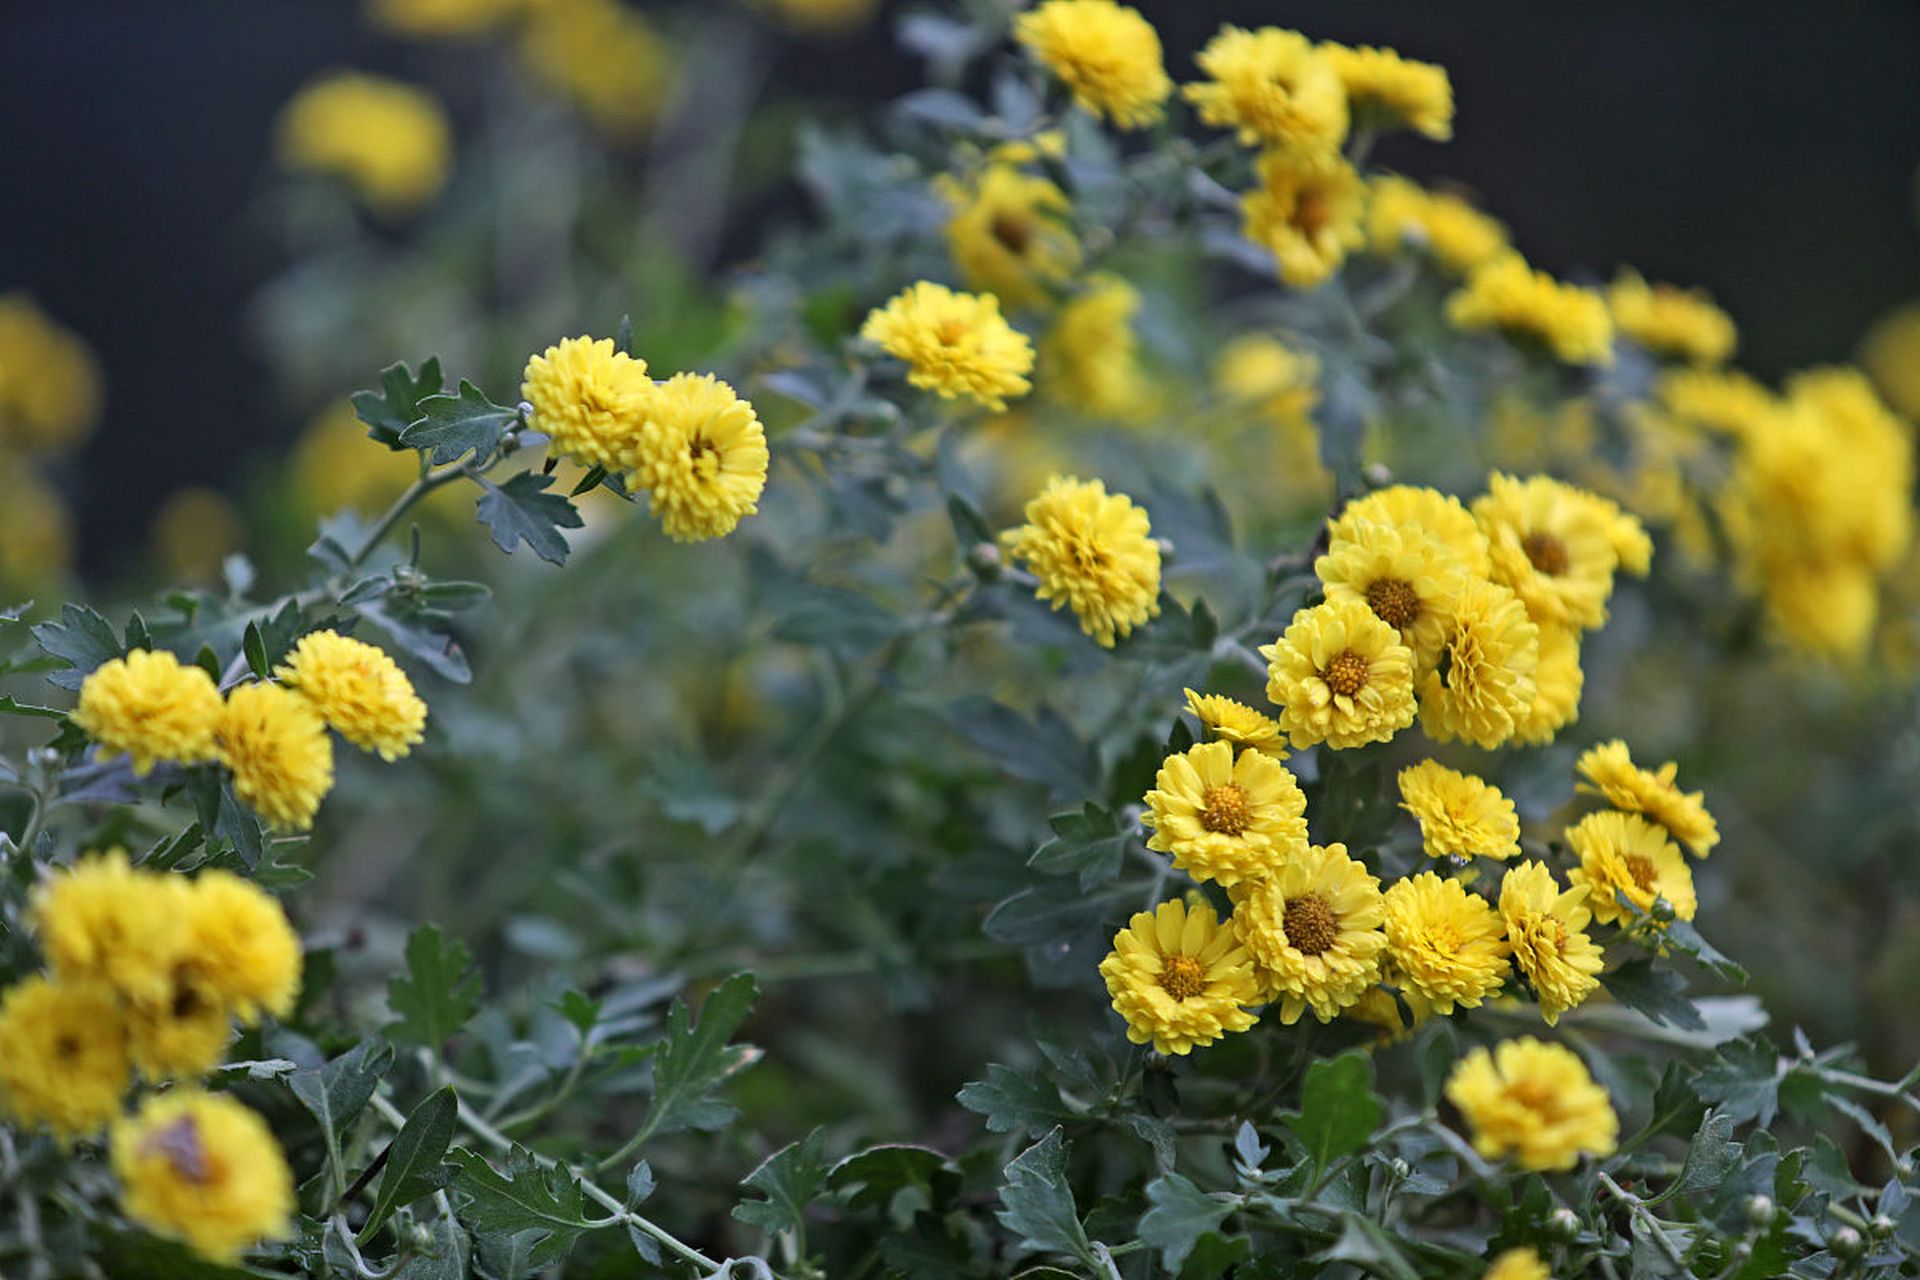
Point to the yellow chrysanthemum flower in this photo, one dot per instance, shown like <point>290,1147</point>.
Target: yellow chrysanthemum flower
<point>1403,214</point>
<point>1670,321</point>
<point>358,689</point>
<point>152,707</point>
<point>1623,853</point>
<point>1406,576</point>
<point>1236,722</point>
<point>49,381</point>
<point>194,532</point>
<point>1611,774</point>
<point>389,141</point>
<point>1180,976</point>
<point>1557,684</point>
<point>1444,942</point>
<point>276,747</point>
<point>1260,370</point>
<point>334,466</point>
<point>1508,295</point>
<point>1410,507</point>
<point>589,399</point>
<point>1483,687</point>
<point>1386,90</point>
<point>36,533</point>
<point>102,921</point>
<point>1274,88</point>
<point>241,949</point>
<point>1822,610</point>
<point>1313,929</point>
<point>1547,929</point>
<point>1340,676</point>
<point>1092,551</point>
<point>63,1056</point>
<point>1722,400</point>
<point>1377,1006</point>
<point>701,456</point>
<point>1534,1102</point>
<point>1460,816</point>
<point>1558,546</point>
<point>1309,213</point>
<point>204,1170</point>
<point>441,19</point>
<point>1106,54</point>
<point>955,344</point>
<point>605,58</point>
<point>180,1038</point>
<point>1090,359</point>
<point>1523,1263</point>
<point>1010,235</point>
<point>1891,356</point>
<point>1226,817</point>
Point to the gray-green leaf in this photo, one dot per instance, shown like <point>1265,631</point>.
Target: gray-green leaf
<point>1179,1214</point>
<point>1037,1201</point>
<point>414,1168</point>
<point>436,995</point>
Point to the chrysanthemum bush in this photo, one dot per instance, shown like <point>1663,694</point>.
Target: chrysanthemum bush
<point>1348,947</point>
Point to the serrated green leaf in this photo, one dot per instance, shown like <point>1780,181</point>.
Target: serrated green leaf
<point>1710,1156</point>
<point>789,1179</point>
<point>1657,993</point>
<point>522,1198</point>
<point>1368,1246</point>
<point>437,994</point>
<point>415,1165</point>
<point>1338,1108</point>
<point>448,1257</point>
<point>1090,844</point>
<point>522,511</point>
<point>1743,1080</point>
<point>1014,1100</point>
<point>1037,1201</point>
<point>695,1059</point>
<point>876,1175</point>
<point>1179,1213</point>
<point>9,707</point>
<point>396,406</point>
<point>338,1091</point>
<point>82,638</point>
<point>453,426</point>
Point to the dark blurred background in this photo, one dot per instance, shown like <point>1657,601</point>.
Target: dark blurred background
<point>1764,151</point>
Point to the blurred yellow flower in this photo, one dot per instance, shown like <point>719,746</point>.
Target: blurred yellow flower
<point>36,533</point>
<point>202,1169</point>
<point>1558,546</point>
<point>1623,853</point>
<point>180,1036</point>
<point>955,344</point>
<point>1313,930</point>
<point>1609,772</point>
<point>433,19</point>
<point>1534,1102</point>
<point>1229,721</point>
<point>1405,575</point>
<point>1090,359</point>
<point>701,456</point>
<point>1506,294</point>
<point>1180,977</point>
<point>240,948</point>
<point>589,399</point>
<point>1460,816</point>
<point>1669,321</point>
<point>102,921</point>
<point>1547,928</point>
<point>194,532</point>
<point>276,746</point>
<point>63,1056</point>
<point>1010,234</point>
<point>1258,369</point>
<point>1386,90</point>
<point>1891,357</point>
<point>1557,684</point>
<point>336,467</point>
<point>358,689</point>
<point>1226,817</point>
<point>1401,214</point>
<point>1523,1263</point>
<point>1309,213</point>
<point>603,57</point>
<point>1483,687</point>
<point>822,17</point>
<point>1411,508</point>
<point>1092,551</point>
<point>50,389</point>
<point>1106,54</point>
<point>389,141</point>
<point>1340,676</point>
<point>151,707</point>
<point>1274,89</point>
<point>1722,400</point>
<point>1445,943</point>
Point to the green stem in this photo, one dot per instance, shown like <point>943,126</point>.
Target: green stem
<point>1881,1088</point>
<point>1639,1210</point>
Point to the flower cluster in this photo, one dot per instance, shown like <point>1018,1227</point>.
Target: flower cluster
<point>690,443</point>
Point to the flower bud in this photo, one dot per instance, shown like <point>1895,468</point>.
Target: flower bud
<point>1662,911</point>
<point>1847,1245</point>
<point>1377,474</point>
<point>1881,1227</point>
<point>984,559</point>
<point>1399,1168</point>
<point>1760,1211</point>
<point>1563,1224</point>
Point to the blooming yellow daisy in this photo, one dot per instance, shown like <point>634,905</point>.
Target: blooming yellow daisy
<point>102,921</point>
<point>1669,321</point>
<point>1611,774</point>
<point>1236,722</point>
<point>389,141</point>
<point>1557,683</point>
<point>1523,1263</point>
<point>1547,928</point>
<point>588,399</point>
<point>1624,854</point>
<point>150,706</point>
<point>202,1169</point>
<point>1722,400</point>
<point>955,344</point>
<point>702,457</point>
<point>1313,929</point>
<point>1090,359</point>
<point>180,1037</point>
<point>276,747</point>
<point>1483,687</point>
<point>1410,507</point>
<point>1445,943</point>
<point>1402,214</point>
<point>1010,235</point>
<point>1274,88</point>
<point>63,1056</point>
<point>1534,1102</point>
<point>1308,212</point>
<point>1340,676</point>
<point>1507,294</point>
<point>241,949</point>
<point>1093,551</point>
<point>359,690</point>
<point>1558,546</point>
<point>1386,90</point>
<point>1460,815</point>
<point>1180,976</point>
<point>1226,817</point>
<point>1405,575</point>
<point>1106,54</point>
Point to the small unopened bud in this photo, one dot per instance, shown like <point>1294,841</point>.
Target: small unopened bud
<point>1563,1225</point>
<point>984,559</point>
<point>1166,547</point>
<point>1847,1244</point>
<point>1399,1168</point>
<point>1742,1250</point>
<point>1881,1227</point>
<point>1760,1211</point>
<point>525,410</point>
<point>1377,474</point>
<point>420,1239</point>
<point>1662,911</point>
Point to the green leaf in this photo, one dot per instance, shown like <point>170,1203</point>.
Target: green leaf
<point>1179,1214</point>
<point>454,596</point>
<point>1682,936</point>
<point>1743,1080</point>
<point>414,1167</point>
<point>425,633</point>
<point>396,406</point>
<point>9,707</point>
<point>790,1179</point>
<point>1090,844</point>
<point>522,511</point>
<point>1659,994</point>
<point>455,425</point>
<point>694,1060</point>
<point>1711,1156</point>
<point>236,824</point>
<point>255,648</point>
<point>524,1197</point>
<point>1338,1108</point>
<point>1037,1201</point>
<point>338,1091</point>
<point>1014,1101</point>
<point>83,638</point>
<point>1367,1245</point>
<point>15,612</point>
<point>448,1257</point>
<point>877,1174</point>
<point>436,995</point>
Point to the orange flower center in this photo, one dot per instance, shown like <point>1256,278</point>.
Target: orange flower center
<point>1310,924</point>
<point>1393,601</point>
<point>1346,675</point>
<point>1182,978</point>
<point>1640,867</point>
<point>1546,553</point>
<point>1013,232</point>
<point>1226,809</point>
